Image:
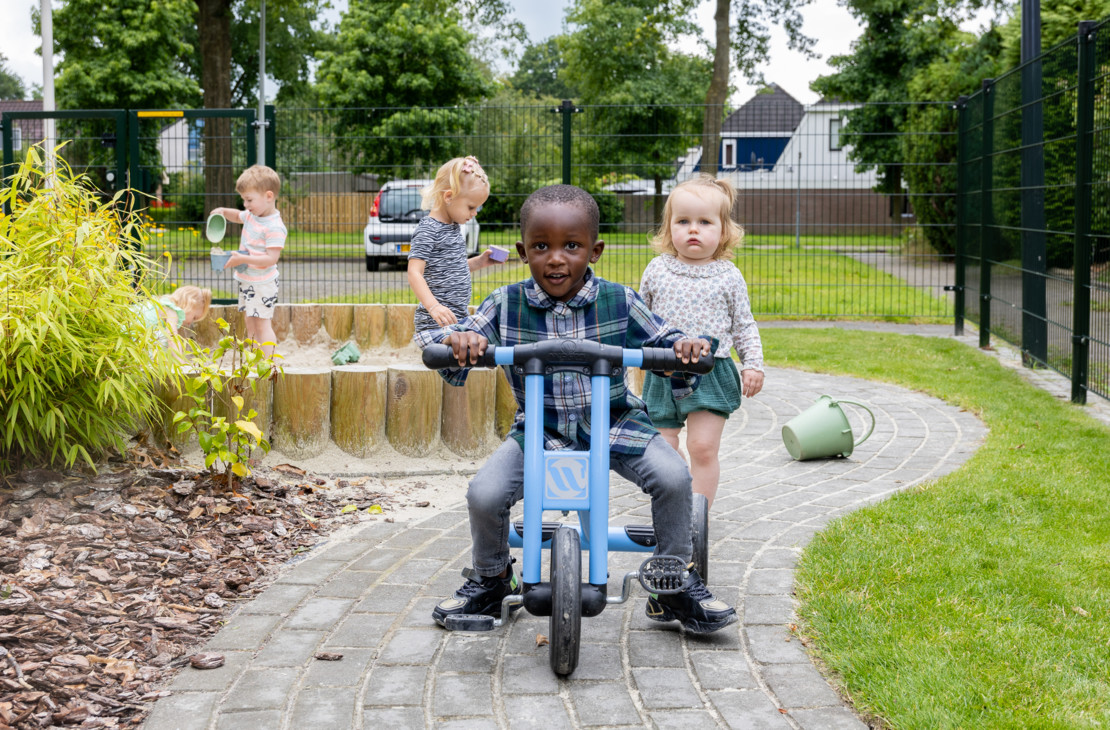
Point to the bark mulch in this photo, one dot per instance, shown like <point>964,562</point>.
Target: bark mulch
<point>110,582</point>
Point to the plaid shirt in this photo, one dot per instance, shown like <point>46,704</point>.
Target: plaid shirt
<point>609,313</point>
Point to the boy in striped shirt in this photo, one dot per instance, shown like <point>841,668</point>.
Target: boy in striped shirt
<point>260,248</point>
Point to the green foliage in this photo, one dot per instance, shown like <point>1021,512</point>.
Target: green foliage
<point>130,54</point>
<point>646,98</point>
<point>974,601</point>
<point>291,43</point>
<point>77,369</point>
<point>11,85</point>
<point>398,56</point>
<point>227,440</point>
<point>186,191</point>
<point>541,72</point>
<point>930,171</point>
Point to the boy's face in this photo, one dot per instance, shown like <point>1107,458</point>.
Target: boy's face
<point>258,203</point>
<point>558,248</point>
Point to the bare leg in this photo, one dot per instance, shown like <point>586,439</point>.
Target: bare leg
<point>703,439</point>
<point>670,435</point>
<point>262,331</point>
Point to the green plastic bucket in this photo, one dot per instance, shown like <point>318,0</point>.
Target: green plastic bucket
<point>215,228</point>
<point>823,430</point>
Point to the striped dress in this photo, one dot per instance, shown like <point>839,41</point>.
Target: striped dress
<point>442,249</point>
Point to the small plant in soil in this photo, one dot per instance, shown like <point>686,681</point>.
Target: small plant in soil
<point>223,380</point>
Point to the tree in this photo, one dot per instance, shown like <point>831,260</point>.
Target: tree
<point>11,85</point>
<point>648,92</point>
<point>749,42</point>
<point>401,58</point>
<point>541,72</point>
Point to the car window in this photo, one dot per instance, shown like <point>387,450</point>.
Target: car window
<point>396,203</point>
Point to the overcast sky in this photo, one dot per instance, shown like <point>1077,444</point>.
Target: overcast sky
<point>825,20</point>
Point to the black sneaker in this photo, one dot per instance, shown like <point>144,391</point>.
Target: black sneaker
<point>479,595</point>
<point>695,607</point>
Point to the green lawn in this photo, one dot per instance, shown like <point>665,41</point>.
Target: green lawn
<point>981,600</point>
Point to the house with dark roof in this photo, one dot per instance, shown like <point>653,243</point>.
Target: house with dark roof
<point>25,132</point>
<point>754,136</point>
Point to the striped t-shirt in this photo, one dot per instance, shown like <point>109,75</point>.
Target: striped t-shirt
<point>260,234</point>
<point>442,249</point>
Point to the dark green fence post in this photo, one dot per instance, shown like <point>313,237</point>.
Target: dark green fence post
<point>9,154</point>
<point>961,215</point>
<point>252,138</point>
<point>1084,150</point>
<point>270,157</point>
<point>986,215</point>
<point>566,109</point>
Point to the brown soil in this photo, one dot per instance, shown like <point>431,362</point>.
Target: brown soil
<point>110,582</point>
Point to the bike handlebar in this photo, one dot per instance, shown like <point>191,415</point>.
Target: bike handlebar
<point>550,355</point>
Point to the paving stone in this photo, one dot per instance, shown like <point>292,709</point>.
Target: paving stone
<point>390,686</point>
<point>380,559</point>
<point>800,685</point>
<point>681,719</point>
<point>289,649</point>
<point>244,632</point>
<point>828,718</point>
<point>598,662</point>
<point>393,718</point>
<point>416,572</point>
<point>466,652</point>
<point>775,645</point>
<point>251,720</point>
<point>385,598</point>
<point>412,646</point>
<point>604,703</point>
<point>748,710</point>
<point>658,646</point>
<point>662,688</point>
<point>217,679</point>
<point>261,689</point>
<point>327,707</point>
<point>463,694</point>
<point>318,613</point>
<point>310,572</point>
<point>538,712</point>
<point>278,599</point>
<point>772,581</point>
<point>348,584</point>
<point>361,630</point>
<point>776,610</point>
<point>722,670</point>
<point>529,674</point>
<point>182,711</point>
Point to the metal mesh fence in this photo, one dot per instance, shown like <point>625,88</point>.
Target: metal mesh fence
<point>1033,203</point>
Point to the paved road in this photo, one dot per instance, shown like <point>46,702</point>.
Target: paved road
<point>370,596</point>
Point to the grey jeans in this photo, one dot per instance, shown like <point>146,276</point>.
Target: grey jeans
<point>659,472</point>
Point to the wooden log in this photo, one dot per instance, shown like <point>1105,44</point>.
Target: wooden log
<point>506,405</point>
<point>369,325</point>
<point>467,422</point>
<point>301,411</point>
<point>358,411</point>
<point>400,327</point>
<point>281,322</point>
<point>635,380</point>
<point>412,412</point>
<point>169,399</point>
<point>260,398</point>
<point>305,322</point>
<point>337,319</point>
<point>205,332</point>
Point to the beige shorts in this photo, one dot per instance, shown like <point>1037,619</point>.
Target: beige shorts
<point>258,298</point>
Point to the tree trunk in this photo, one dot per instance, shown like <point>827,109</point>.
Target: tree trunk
<point>467,423</point>
<point>717,95</point>
<point>214,22</point>
<point>358,397</point>
<point>302,406</point>
<point>369,325</point>
<point>412,413</point>
<point>281,323</point>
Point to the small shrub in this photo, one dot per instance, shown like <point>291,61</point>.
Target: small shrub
<point>77,371</point>
<point>226,440</point>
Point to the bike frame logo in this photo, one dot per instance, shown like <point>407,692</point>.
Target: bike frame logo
<point>567,477</point>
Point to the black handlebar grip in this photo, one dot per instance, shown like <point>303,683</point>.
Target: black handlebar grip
<point>663,360</point>
<point>441,356</point>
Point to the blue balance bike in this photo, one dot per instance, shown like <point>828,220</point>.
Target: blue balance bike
<point>577,481</point>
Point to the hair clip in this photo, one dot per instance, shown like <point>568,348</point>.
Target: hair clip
<point>472,166</point>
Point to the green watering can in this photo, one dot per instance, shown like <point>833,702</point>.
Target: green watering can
<point>823,430</point>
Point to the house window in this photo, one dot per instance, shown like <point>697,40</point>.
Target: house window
<point>728,156</point>
<point>834,135</point>
<point>17,137</point>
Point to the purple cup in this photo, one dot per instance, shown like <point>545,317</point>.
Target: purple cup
<point>496,253</point>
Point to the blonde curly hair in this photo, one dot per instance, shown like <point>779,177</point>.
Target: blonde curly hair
<point>732,234</point>
<point>449,179</point>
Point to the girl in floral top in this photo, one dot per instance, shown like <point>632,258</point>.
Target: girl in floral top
<point>696,288</point>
